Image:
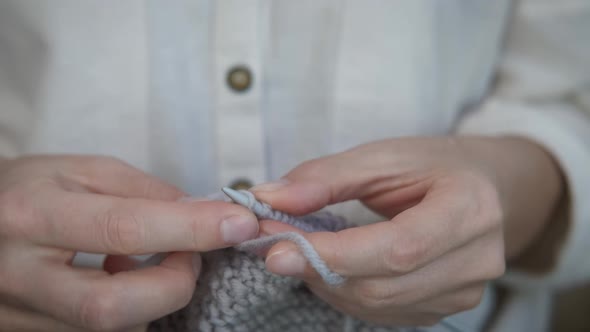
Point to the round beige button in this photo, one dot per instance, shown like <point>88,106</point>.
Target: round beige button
<point>241,184</point>
<point>239,78</point>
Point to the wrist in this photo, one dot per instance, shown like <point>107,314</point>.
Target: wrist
<point>531,189</point>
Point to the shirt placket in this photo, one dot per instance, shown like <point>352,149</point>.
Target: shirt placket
<point>237,78</point>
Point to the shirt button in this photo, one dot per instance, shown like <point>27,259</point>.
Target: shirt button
<point>239,78</point>
<point>241,184</point>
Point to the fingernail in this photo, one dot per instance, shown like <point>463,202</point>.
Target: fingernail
<point>286,262</point>
<point>270,186</point>
<point>237,229</point>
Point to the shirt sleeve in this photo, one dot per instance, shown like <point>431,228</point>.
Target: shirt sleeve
<point>21,68</point>
<point>15,122</point>
<point>542,93</point>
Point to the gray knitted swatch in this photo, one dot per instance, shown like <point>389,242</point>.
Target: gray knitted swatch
<point>235,292</point>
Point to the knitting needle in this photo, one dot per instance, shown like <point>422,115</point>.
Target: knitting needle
<point>261,210</point>
<point>236,196</point>
<point>265,211</point>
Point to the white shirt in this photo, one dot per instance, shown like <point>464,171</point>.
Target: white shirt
<point>146,81</point>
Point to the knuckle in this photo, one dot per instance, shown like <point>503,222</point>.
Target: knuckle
<point>371,296</point>
<point>403,258</point>
<point>489,207</point>
<point>469,300</point>
<point>98,312</point>
<point>150,187</point>
<point>122,233</point>
<point>311,168</point>
<point>95,165</point>
<point>17,216</point>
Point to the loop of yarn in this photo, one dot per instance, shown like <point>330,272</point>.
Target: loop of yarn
<point>331,278</point>
<point>320,222</point>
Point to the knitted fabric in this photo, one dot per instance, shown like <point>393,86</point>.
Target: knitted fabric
<point>235,292</point>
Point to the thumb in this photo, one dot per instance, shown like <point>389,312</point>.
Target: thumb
<point>317,183</point>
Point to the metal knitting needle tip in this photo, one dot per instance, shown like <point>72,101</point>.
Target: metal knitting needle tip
<point>236,196</point>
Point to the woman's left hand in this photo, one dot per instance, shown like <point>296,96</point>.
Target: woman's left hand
<point>457,209</point>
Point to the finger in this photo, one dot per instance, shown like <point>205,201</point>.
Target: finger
<point>458,272</point>
<point>98,301</point>
<point>316,183</point>
<point>111,176</point>
<point>372,250</point>
<point>407,242</point>
<point>456,300</point>
<point>16,319</point>
<point>296,263</point>
<point>359,173</point>
<point>373,300</point>
<point>104,224</point>
<point>376,314</point>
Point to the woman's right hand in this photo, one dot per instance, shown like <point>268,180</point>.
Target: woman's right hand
<point>53,206</point>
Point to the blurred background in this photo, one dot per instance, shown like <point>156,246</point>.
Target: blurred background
<point>572,310</point>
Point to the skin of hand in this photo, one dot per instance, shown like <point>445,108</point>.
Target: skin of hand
<point>53,206</point>
<point>456,209</point>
